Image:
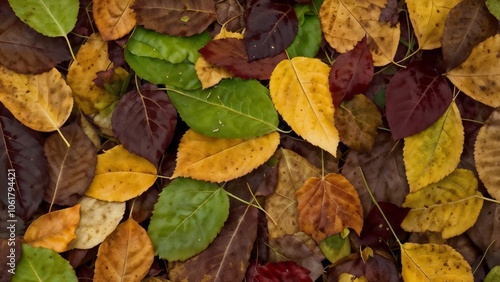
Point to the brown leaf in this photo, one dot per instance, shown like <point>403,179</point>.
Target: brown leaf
<point>230,13</point>
<point>486,231</point>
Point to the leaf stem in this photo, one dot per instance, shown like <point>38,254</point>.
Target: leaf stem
<point>63,138</point>
<point>257,206</point>
<point>482,258</point>
<point>487,199</point>
<point>70,48</point>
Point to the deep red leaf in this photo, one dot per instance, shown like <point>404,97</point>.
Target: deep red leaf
<point>270,28</point>
<point>416,97</point>
<point>288,271</point>
<point>144,122</point>
<point>351,73</point>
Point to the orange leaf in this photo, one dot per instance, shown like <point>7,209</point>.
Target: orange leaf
<point>328,205</point>
<point>114,19</point>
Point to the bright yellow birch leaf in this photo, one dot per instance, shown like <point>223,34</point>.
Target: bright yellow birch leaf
<point>479,75</point>
<point>433,153</point>
<point>125,255</point>
<point>114,19</point>
<point>301,94</point>
<point>54,230</point>
<point>218,160</point>
<point>449,206</point>
<point>345,22</point>
<point>487,155</point>
<point>433,262</point>
<point>92,57</point>
<point>121,176</point>
<point>42,102</point>
<point>281,206</point>
<point>97,220</point>
<point>428,18</point>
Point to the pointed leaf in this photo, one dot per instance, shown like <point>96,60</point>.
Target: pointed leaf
<point>187,218</point>
<point>219,160</point>
<point>299,89</point>
<point>125,255</point>
<point>114,19</point>
<point>434,153</point>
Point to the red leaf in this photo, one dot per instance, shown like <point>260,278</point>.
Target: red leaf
<point>270,28</point>
<point>351,73</point>
<point>416,97</point>
<point>288,271</point>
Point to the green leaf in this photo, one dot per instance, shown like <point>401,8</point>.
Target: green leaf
<point>335,247</point>
<point>235,108</point>
<point>493,275</point>
<point>494,7</point>
<point>175,49</point>
<point>156,71</point>
<point>49,17</point>
<point>187,217</point>
<point>40,264</point>
<point>308,39</point>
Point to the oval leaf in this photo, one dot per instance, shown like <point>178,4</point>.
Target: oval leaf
<point>114,19</point>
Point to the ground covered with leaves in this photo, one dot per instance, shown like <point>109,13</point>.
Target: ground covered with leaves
<point>259,140</point>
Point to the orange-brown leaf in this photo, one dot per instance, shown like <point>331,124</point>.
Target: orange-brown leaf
<point>114,19</point>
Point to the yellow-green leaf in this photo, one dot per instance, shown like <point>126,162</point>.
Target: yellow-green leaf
<point>42,102</point>
<point>121,176</point>
<point>114,19</point>
<point>218,160</point>
<point>449,206</point>
<point>433,153</point>
<point>301,94</point>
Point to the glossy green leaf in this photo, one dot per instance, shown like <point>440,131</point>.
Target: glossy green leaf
<point>157,71</point>
<point>175,49</point>
<point>49,17</point>
<point>308,38</point>
<point>187,217</point>
<point>40,264</point>
<point>234,108</point>
<point>493,275</point>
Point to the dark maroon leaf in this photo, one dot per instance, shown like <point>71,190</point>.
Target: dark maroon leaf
<point>144,122</point>
<point>230,54</point>
<point>116,53</point>
<point>10,253</point>
<point>416,97</point>
<point>142,207</point>
<point>351,73</point>
<point>270,28</point>
<point>286,271</point>
<point>24,50</point>
<point>390,13</point>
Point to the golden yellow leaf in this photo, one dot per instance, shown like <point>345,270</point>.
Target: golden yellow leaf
<point>433,262</point>
<point>479,75</point>
<point>487,156</point>
<point>449,206</point>
<point>345,22</point>
<point>428,18</point>
<point>42,102</point>
<point>433,153</point>
<point>89,130</point>
<point>218,160</point>
<point>121,176</point>
<point>301,94</point>
<point>91,58</point>
<point>54,230</point>
<point>281,206</point>
<point>346,277</point>
<point>97,220</point>
<point>114,19</point>
<point>125,255</point>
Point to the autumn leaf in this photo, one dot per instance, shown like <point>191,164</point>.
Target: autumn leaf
<point>114,19</point>
<point>336,247</point>
<point>278,271</point>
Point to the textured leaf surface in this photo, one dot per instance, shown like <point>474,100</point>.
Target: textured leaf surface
<point>234,109</point>
<point>219,160</point>
<point>435,152</point>
<point>125,255</point>
<point>54,230</point>
<point>42,102</point>
<point>187,217</point>
<point>433,262</point>
<point>450,206</point>
<point>114,19</point>
<point>121,176</point>
<point>300,92</point>
<point>278,271</point>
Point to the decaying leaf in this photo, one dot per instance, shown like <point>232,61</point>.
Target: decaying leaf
<point>114,19</point>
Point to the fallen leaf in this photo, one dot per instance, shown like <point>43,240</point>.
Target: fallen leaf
<point>493,275</point>
<point>307,42</point>
<point>114,19</point>
<point>336,247</point>
<point>485,234</point>
<point>277,271</point>
<point>494,8</point>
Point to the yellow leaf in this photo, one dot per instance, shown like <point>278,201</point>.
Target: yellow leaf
<point>433,262</point>
<point>345,22</point>
<point>218,160</point>
<point>281,206</point>
<point>125,255</point>
<point>92,57</point>
<point>301,94</point>
<point>346,277</point>
<point>114,19</point>
<point>54,230</point>
<point>224,33</point>
<point>479,75</point>
<point>89,130</point>
<point>121,176</point>
<point>42,102</point>
<point>487,156</point>
<point>449,206</point>
<point>428,18</point>
<point>433,153</point>
<point>97,220</point>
